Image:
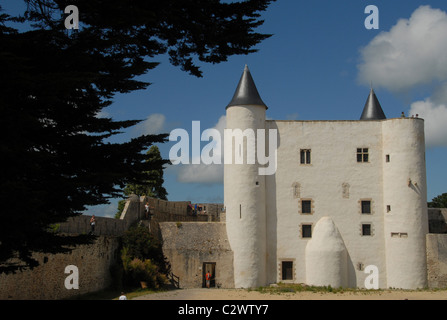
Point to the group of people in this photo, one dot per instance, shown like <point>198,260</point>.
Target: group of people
<point>195,209</point>
<point>413,116</point>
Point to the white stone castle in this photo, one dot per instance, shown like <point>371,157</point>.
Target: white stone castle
<point>347,201</point>
<point>346,195</point>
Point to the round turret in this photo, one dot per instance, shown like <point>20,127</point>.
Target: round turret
<point>244,188</point>
<point>405,202</point>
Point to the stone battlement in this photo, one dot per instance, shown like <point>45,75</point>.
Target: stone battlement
<point>161,211</point>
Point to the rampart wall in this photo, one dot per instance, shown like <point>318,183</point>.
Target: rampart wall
<point>187,245</point>
<point>180,211</point>
<point>94,262</point>
<point>104,226</point>
<point>437,260</point>
<point>437,220</point>
<point>437,248</point>
<point>47,281</point>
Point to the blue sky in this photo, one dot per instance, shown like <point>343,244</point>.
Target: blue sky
<point>318,65</point>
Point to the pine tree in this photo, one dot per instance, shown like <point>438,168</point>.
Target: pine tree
<point>439,201</point>
<point>56,154</point>
<point>153,187</point>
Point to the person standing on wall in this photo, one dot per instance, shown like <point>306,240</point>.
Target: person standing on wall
<point>92,224</point>
<point>146,210</point>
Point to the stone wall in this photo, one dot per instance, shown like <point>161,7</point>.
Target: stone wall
<point>437,260</point>
<point>179,211</point>
<point>437,220</point>
<point>189,245</point>
<point>47,281</point>
<point>104,226</point>
<point>437,248</point>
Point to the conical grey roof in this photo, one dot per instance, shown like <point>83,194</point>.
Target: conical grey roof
<point>373,109</point>
<point>246,92</point>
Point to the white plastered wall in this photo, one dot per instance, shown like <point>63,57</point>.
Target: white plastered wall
<point>333,147</point>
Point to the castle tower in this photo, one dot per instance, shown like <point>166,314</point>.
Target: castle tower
<point>244,188</point>
<point>405,202</point>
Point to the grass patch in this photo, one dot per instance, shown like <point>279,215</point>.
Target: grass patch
<point>284,288</point>
<point>294,288</point>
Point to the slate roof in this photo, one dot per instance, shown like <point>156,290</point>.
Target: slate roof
<point>373,109</point>
<point>246,92</point>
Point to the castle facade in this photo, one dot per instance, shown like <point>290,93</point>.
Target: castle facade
<point>345,196</point>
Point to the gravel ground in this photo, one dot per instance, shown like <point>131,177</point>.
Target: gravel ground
<point>240,294</point>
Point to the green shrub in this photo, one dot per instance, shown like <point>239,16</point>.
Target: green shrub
<point>142,259</point>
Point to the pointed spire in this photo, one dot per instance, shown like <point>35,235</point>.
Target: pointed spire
<point>373,109</point>
<point>246,92</point>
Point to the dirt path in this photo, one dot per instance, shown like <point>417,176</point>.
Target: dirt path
<point>237,294</point>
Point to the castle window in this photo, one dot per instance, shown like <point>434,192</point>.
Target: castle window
<point>366,229</point>
<point>366,206</point>
<point>306,231</point>
<point>399,235</point>
<point>362,155</point>
<point>306,206</point>
<point>305,157</point>
<point>287,270</point>
<point>387,158</point>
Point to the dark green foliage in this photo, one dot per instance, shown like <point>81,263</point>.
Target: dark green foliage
<point>56,158</point>
<point>141,244</point>
<point>153,187</point>
<point>439,201</point>
<point>142,258</point>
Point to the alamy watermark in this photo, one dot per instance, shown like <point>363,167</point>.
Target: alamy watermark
<point>72,281</point>
<point>372,280</point>
<point>371,22</point>
<point>249,147</point>
<point>72,21</point>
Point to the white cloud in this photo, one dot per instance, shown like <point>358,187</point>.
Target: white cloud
<point>102,114</point>
<point>105,210</point>
<point>435,116</point>
<point>202,173</point>
<point>411,54</point>
<point>410,57</point>
<point>154,124</point>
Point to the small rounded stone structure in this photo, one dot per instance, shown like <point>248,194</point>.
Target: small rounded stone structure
<point>326,256</point>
